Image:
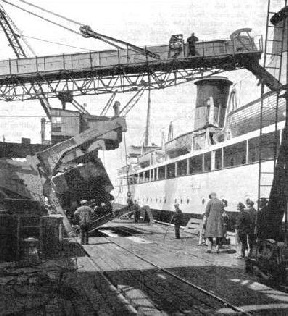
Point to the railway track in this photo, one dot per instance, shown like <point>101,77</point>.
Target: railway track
<point>168,289</point>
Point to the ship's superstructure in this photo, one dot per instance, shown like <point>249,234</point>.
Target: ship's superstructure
<point>210,158</point>
<point>224,148</point>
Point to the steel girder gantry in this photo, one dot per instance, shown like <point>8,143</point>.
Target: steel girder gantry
<point>123,70</point>
<point>121,78</point>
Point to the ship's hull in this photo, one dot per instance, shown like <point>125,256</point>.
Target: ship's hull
<point>234,184</point>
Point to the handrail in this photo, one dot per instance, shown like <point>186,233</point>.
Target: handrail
<point>92,60</point>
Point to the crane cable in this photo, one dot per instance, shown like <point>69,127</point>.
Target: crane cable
<point>50,12</point>
<point>41,17</point>
<point>104,38</point>
<point>60,25</point>
<point>56,43</point>
<point>101,37</point>
<point>11,22</point>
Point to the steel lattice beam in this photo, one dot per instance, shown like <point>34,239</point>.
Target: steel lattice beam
<point>118,78</point>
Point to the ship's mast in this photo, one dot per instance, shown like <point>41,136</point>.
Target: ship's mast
<point>148,118</point>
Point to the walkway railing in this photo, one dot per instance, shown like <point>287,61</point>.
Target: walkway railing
<point>112,58</point>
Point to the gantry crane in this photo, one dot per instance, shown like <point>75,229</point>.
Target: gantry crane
<point>152,65</point>
<point>129,66</point>
<point>17,43</point>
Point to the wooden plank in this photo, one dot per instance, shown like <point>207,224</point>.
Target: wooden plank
<point>128,277</point>
<point>96,298</point>
<point>124,280</point>
<point>108,292</point>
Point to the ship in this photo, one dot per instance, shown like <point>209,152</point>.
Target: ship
<point>222,152</point>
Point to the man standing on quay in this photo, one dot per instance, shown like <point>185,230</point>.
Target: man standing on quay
<point>177,220</point>
<point>84,213</point>
<point>214,226</point>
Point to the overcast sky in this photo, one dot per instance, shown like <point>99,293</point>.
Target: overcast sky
<point>140,22</point>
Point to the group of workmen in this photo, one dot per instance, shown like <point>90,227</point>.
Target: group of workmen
<point>176,45</point>
<point>213,229</point>
<point>214,226</point>
<point>135,210</point>
<point>215,223</point>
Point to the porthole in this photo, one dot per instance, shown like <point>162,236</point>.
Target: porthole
<point>181,201</point>
<point>156,200</point>
<point>164,200</point>
<point>188,201</point>
<point>175,201</point>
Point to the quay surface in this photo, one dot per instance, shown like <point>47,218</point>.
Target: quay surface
<point>160,275</point>
<point>140,269</point>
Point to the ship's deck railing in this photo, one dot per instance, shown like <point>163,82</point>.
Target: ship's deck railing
<point>113,58</point>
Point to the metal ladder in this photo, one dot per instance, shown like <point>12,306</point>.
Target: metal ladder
<point>270,105</point>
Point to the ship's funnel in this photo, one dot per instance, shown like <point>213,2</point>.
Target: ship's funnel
<point>211,101</point>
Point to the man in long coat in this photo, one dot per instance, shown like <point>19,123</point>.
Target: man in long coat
<point>214,226</point>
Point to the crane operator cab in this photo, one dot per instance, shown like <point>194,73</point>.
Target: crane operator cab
<point>176,46</point>
<point>242,40</point>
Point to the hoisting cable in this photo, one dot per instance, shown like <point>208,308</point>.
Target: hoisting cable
<point>41,17</point>
<point>55,23</point>
<point>88,32</point>
<point>56,43</point>
<point>14,28</point>
<point>50,12</point>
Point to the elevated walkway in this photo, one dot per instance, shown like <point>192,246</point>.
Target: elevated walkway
<point>85,72</point>
<point>208,54</point>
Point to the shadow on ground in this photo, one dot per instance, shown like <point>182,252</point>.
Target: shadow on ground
<point>165,292</point>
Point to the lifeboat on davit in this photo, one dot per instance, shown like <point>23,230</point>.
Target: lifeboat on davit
<point>247,118</point>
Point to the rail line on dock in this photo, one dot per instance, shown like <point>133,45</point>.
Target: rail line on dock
<point>177,249</point>
<point>208,295</point>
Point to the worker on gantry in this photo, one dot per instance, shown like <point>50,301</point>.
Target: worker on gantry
<point>191,40</point>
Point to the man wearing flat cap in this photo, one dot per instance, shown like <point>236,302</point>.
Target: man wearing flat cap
<point>84,213</point>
